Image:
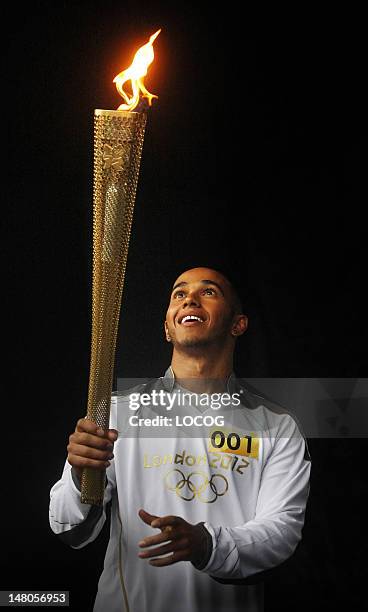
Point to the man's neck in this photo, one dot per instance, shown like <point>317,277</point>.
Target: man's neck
<point>202,373</point>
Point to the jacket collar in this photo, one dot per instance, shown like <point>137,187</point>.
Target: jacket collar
<point>168,381</point>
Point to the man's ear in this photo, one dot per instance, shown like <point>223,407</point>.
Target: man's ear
<point>240,325</point>
<point>167,332</point>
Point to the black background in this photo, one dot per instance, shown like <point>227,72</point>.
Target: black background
<point>252,163</point>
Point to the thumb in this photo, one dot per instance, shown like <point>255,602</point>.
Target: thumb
<point>146,517</point>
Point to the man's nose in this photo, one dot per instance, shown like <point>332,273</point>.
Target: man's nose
<point>192,299</point>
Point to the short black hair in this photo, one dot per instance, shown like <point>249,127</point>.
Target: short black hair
<point>237,302</point>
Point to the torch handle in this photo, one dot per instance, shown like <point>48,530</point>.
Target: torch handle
<point>93,480</point>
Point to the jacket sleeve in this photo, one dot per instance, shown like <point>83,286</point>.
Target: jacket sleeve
<point>75,523</point>
<point>273,534</point>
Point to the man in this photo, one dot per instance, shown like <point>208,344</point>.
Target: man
<point>227,494</point>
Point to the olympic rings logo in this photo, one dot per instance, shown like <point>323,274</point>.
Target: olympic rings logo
<point>196,484</point>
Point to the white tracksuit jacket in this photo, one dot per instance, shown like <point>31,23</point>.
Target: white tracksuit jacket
<point>252,501</point>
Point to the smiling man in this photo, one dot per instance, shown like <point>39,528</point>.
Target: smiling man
<point>219,507</point>
<point>206,306</point>
<point>203,320</point>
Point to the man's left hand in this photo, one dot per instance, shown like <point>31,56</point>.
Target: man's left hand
<point>186,542</point>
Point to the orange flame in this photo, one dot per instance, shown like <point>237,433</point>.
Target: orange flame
<point>136,73</point>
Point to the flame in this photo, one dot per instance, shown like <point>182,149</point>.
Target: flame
<point>136,73</point>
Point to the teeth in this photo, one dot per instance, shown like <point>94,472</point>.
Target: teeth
<point>191,318</point>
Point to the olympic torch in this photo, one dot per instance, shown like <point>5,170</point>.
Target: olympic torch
<point>118,143</point>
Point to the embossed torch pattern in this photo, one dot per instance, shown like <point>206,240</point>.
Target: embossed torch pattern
<point>118,143</point>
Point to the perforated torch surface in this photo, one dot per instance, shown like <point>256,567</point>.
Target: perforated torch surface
<point>118,143</point>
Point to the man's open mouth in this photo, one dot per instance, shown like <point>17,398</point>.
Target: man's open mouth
<point>190,320</point>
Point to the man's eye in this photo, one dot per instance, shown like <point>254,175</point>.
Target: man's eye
<point>209,291</point>
<point>178,294</point>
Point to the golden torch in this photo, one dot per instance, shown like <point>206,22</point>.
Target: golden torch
<point>118,143</point>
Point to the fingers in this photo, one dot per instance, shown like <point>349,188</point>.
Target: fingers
<point>82,462</point>
<point>173,539</point>
<point>166,521</point>
<point>163,550</point>
<point>164,536</point>
<point>93,441</point>
<point>180,555</point>
<point>88,426</point>
<point>146,517</point>
<point>90,446</point>
<point>89,452</point>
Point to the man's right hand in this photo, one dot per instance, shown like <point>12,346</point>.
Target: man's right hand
<point>90,446</point>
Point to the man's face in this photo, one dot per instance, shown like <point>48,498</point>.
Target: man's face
<point>200,310</point>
